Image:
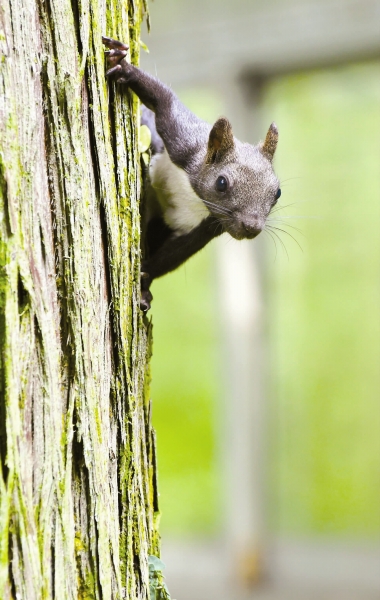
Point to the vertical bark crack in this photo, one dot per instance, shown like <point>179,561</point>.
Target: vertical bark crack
<point>76,469</point>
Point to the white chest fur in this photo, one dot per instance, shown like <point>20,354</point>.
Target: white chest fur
<point>182,208</point>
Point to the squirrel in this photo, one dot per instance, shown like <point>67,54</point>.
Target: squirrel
<point>202,180</point>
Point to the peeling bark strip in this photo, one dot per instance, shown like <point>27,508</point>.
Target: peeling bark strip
<point>77,478</point>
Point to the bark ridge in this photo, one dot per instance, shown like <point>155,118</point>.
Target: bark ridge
<point>78,498</point>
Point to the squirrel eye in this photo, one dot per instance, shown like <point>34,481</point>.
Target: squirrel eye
<point>278,194</point>
<point>221,184</point>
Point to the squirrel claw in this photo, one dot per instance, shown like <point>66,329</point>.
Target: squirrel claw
<point>117,70</point>
<point>114,56</point>
<point>146,299</point>
<point>146,295</point>
<point>114,44</point>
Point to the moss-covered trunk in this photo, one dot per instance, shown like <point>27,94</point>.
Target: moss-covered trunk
<point>77,483</point>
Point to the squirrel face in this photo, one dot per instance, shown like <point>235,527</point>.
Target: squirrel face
<point>237,182</point>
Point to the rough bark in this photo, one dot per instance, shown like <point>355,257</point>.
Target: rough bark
<point>78,499</point>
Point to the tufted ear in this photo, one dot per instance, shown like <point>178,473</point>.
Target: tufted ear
<point>269,146</point>
<point>220,141</point>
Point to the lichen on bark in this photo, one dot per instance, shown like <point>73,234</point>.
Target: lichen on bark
<point>78,497</point>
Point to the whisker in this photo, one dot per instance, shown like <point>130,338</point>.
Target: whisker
<point>281,242</point>
<point>289,234</point>
<point>217,208</point>
<point>281,207</point>
<point>289,179</point>
<point>300,217</point>
<point>286,225</point>
<point>273,240</point>
<point>218,224</point>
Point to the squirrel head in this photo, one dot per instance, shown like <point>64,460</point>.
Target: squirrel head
<point>236,180</point>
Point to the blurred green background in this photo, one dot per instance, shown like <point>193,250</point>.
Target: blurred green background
<point>322,324</point>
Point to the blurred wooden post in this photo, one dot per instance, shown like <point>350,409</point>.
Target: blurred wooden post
<point>242,318</point>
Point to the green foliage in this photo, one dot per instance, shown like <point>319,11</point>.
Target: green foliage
<point>324,303</point>
<point>184,389</point>
<point>157,586</point>
<point>322,322</point>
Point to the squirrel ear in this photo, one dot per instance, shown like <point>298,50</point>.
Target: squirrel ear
<point>269,146</point>
<point>220,141</point>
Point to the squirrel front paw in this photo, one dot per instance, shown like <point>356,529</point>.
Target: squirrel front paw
<point>116,53</point>
<point>146,295</point>
<point>146,299</point>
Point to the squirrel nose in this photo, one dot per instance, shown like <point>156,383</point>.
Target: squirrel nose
<point>252,225</point>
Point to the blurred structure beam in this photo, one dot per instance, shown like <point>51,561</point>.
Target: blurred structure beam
<point>269,40</point>
<point>300,570</point>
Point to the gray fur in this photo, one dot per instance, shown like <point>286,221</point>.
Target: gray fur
<point>184,189</point>
<point>248,169</point>
<point>251,192</point>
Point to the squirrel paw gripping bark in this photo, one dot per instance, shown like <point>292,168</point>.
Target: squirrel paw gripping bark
<point>146,295</point>
<point>146,299</point>
<point>117,51</point>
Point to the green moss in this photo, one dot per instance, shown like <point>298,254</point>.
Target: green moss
<point>98,423</point>
<point>69,387</point>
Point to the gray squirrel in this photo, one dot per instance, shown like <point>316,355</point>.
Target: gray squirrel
<point>202,180</point>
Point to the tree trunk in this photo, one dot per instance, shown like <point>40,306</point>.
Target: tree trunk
<point>78,496</point>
